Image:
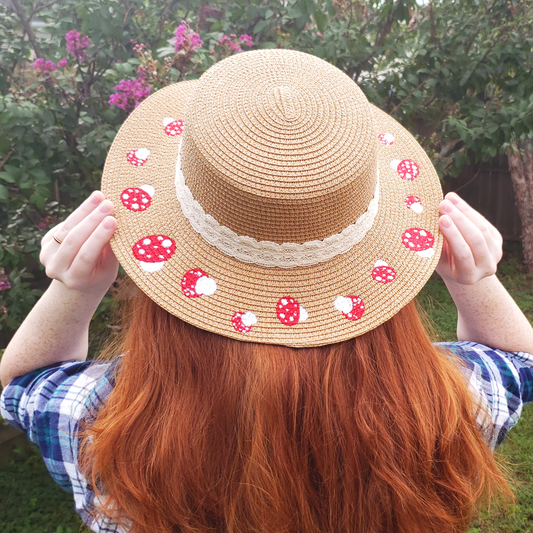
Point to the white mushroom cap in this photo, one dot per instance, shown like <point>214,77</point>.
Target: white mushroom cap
<point>249,319</point>
<point>148,189</point>
<point>151,267</point>
<point>142,153</point>
<point>304,315</point>
<point>206,285</point>
<point>167,121</point>
<point>343,304</point>
<point>394,164</point>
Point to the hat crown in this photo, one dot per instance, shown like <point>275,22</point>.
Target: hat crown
<point>279,146</point>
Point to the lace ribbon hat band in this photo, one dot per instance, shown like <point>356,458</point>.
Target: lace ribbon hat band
<point>268,201</point>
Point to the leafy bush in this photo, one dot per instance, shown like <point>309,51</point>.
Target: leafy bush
<point>457,74</point>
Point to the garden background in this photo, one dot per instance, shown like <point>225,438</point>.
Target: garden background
<point>456,74</point>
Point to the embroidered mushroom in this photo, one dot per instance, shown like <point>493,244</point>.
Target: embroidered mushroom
<point>290,312</point>
<point>173,127</point>
<point>152,251</point>
<point>386,138</point>
<point>383,273</point>
<point>352,307</point>
<point>413,203</point>
<point>196,283</point>
<point>243,322</point>
<point>137,198</point>
<point>138,157</point>
<point>419,241</point>
<point>407,169</point>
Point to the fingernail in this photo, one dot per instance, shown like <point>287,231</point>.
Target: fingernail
<point>105,207</point>
<point>452,197</point>
<point>445,221</point>
<point>95,198</point>
<point>447,207</point>
<point>109,223</point>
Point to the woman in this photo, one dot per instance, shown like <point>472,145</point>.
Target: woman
<point>275,375</point>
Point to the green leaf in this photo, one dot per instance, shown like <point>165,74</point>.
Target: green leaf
<point>260,26</point>
<point>4,193</point>
<point>321,20</point>
<point>267,45</point>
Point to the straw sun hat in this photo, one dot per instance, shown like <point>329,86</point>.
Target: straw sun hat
<point>269,202</point>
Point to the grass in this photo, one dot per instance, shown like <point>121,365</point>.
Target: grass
<point>30,502</point>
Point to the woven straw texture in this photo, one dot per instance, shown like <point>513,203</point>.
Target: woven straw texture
<point>278,146</point>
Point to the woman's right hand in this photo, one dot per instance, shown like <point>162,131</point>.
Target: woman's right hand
<point>472,246</point>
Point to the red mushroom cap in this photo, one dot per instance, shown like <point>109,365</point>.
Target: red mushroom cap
<point>136,198</point>
<point>173,127</point>
<point>383,273</point>
<point>196,283</point>
<point>386,138</point>
<point>153,250</point>
<point>407,169</point>
<point>243,322</point>
<point>289,311</point>
<point>138,157</point>
<point>352,307</point>
<point>418,239</point>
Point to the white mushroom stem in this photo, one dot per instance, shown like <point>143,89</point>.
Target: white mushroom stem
<point>343,304</point>
<point>142,153</point>
<point>148,189</point>
<point>151,267</point>
<point>205,285</point>
<point>417,208</point>
<point>394,164</point>
<point>249,319</point>
<point>380,263</point>
<point>426,253</point>
<point>167,121</point>
<point>304,315</point>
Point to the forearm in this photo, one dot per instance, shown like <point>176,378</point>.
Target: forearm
<point>56,330</point>
<point>488,315</point>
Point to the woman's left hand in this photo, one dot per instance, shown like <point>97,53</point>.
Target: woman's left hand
<point>84,260</point>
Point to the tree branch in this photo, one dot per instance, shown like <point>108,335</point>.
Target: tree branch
<point>27,27</point>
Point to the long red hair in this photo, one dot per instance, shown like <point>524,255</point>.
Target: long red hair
<point>203,433</point>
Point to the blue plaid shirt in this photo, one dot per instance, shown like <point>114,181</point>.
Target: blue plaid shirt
<point>49,403</point>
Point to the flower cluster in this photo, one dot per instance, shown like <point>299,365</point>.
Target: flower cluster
<point>129,94</point>
<point>4,281</point>
<point>44,67</point>
<point>77,45</point>
<point>231,45</point>
<point>187,40</point>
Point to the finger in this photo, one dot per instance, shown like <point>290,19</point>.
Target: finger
<point>76,237</point>
<point>492,235</point>
<point>471,234</point>
<point>458,248</point>
<point>79,214</point>
<point>92,250</point>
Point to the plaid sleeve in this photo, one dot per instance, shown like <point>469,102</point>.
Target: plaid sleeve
<point>502,380</point>
<point>47,404</point>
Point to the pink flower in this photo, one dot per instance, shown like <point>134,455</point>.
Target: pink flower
<point>246,40</point>
<point>129,94</point>
<point>187,40</point>
<point>319,34</point>
<point>4,281</point>
<point>45,67</point>
<point>77,45</point>
<point>62,62</point>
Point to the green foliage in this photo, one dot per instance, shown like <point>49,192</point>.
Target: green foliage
<point>456,74</point>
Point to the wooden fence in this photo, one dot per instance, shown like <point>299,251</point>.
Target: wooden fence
<point>488,188</point>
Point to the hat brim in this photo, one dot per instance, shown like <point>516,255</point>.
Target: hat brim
<point>244,287</point>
